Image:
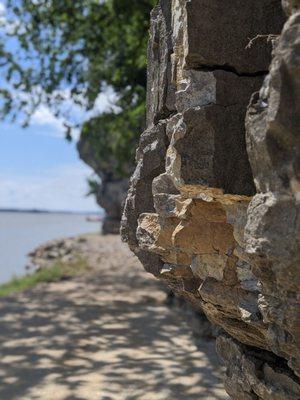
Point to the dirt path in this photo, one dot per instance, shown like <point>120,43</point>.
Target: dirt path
<point>105,335</point>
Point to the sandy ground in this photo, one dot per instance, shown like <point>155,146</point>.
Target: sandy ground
<point>108,334</point>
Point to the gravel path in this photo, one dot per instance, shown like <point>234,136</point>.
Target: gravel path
<point>108,334</point>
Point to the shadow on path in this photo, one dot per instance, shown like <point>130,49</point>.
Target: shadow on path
<point>105,336</point>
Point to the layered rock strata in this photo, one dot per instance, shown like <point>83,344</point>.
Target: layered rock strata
<point>220,232</point>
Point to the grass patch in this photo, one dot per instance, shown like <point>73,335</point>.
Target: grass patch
<point>55,273</point>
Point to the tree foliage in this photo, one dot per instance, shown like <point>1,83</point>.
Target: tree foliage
<point>53,50</point>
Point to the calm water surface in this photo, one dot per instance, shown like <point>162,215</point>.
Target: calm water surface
<point>22,232</point>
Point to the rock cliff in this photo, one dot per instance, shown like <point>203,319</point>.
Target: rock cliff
<point>112,189</point>
<point>212,207</point>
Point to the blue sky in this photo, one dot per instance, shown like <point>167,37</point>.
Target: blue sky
<point>38,167</point>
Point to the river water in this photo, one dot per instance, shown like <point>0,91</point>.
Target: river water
<point>21,232</point>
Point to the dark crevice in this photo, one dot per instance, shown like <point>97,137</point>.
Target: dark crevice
<point>229,68</point>
<point>161,116</point>
<point>220,105</point>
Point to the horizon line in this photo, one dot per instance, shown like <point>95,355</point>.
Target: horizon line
<point>48,211</point>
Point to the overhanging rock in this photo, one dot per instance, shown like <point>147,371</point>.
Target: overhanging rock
<point>221,232</point>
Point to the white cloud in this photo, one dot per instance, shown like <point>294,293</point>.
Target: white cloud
<point>105,102</point>
<point>2,14</point>
<point>2,9</point>
<point>54,126</point>
<point>63,187</point>
<point>50,125</point>
<point>44,117</point>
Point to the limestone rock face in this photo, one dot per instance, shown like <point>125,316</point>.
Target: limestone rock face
<point>273,226</point>
<point>111,191</point>
<point>256,374</point>
<point>221,38</point>
<point>212,207</point>
<point>111,196</point>
<point>290,6</point>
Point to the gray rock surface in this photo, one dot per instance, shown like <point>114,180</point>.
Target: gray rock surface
<point>111,191</point>
<point>290,6</point>
<point>273,226</point>
<point>221,38</point>
<point>160,92</point>
<point>212,209</point>
<point>255,374</point>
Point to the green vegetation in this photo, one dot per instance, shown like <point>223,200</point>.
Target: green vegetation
<point>56,272</point>
<point>77,49</point>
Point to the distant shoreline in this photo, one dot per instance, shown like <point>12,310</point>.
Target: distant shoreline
<point>37,211</point>
<point>52,261</point>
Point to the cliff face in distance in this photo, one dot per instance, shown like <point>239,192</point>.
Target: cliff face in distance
<point>213,204</point>
<point>111,191</point>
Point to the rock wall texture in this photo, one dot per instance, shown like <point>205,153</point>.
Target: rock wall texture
<point>213,204</point>
<point>111,192</point>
